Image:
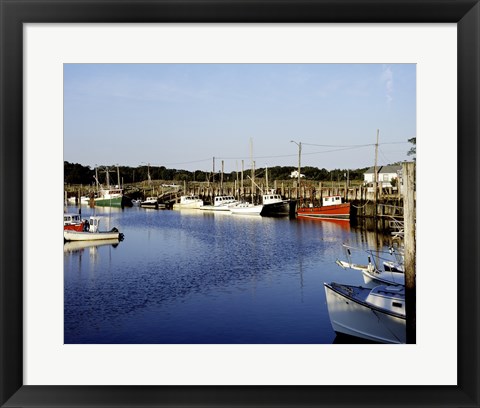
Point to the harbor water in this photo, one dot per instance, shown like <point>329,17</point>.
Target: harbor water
<point>197,277</point>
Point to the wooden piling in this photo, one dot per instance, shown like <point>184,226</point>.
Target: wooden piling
<point>410,249</point>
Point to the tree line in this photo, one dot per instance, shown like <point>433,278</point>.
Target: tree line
<point>75,173</point>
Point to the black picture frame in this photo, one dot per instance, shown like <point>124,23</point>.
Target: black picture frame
<point>14,13</point>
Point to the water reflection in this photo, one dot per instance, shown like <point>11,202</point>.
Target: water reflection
<point>76,246</point>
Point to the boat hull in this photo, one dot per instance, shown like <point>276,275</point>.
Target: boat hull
<point>154,206</point>
<point>74,227</point>
<point>215,208</point>
<point>108,202</point>
<point>337,211</point>
<point>247,210</point>
<point>189,206</point>
<point>276,209</point>
<point>355,318</point>
<point>90,236</point>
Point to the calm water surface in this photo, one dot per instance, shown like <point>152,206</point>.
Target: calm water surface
<point>194,277</point>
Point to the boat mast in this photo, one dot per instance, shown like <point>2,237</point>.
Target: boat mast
<point>107,177</point>
<point>96,177</point>
<point>253,167</point>
<point>375,176</point>
<point>266,178</point>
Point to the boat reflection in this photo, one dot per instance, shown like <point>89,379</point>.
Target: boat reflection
<point>336,224</point>
<point>77,246</point>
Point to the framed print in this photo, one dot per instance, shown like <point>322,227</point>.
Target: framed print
<point>40,38</point>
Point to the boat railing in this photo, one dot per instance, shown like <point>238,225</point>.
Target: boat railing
<point>375,258</point>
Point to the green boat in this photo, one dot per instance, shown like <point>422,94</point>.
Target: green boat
<point>109,198</point>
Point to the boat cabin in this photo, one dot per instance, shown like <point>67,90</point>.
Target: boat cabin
<point>71,219</point>
<point>391,298</point>
<point>271,198</point>
<point>331,200</point>
<point>94,223</point>
<point>223,200</point>
<point>189,199</point>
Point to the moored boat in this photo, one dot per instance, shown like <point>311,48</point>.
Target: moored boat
<point>188,202</point>
<point>109,197</point>
<point>376,314</point>
<point>221,203</point>
<point>275,205</point>
<point>246,209</point>
<point>332,208</point>
<point>150,202</point>
<point>391,274</point>
<point>92,232</point>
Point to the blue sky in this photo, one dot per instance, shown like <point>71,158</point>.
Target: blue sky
<point>182,115</point>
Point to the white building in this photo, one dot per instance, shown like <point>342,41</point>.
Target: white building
<point>385,176</point>
<point>294,174</point>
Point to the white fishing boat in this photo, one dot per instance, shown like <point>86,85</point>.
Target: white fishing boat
<point>92,232</point>
<point>221,203</point>
<point>372,273</point>
<point>246,209</point>
<point>188,202</point>
<point>376,314</point>
<point>85,200</point>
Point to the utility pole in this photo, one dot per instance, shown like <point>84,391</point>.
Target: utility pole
<point>221,180</point>
<point>375,178</point>
<point>213,171</point>
<point>299,144</point>
<point>410,249</point>
<point>252,170</point>
<point>241,188</point>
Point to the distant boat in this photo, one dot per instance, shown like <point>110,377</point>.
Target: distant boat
<point>109,197</point>
<point>72,200</point>
<point>221,203</point>
<point>331,208</point>
<point>376,314</point>
<point>150,202</point>
<point>84,200</point>
<point>92,232</point>
<point>188,202</point>
<point>246,209</point>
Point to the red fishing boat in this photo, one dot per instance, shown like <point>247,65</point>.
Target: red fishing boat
<point>331,208</point>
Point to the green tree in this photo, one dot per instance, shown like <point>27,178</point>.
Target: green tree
<point>413,149</point>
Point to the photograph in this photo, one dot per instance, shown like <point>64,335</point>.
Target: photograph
<point>248,215</point>
<point>192,216</point>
